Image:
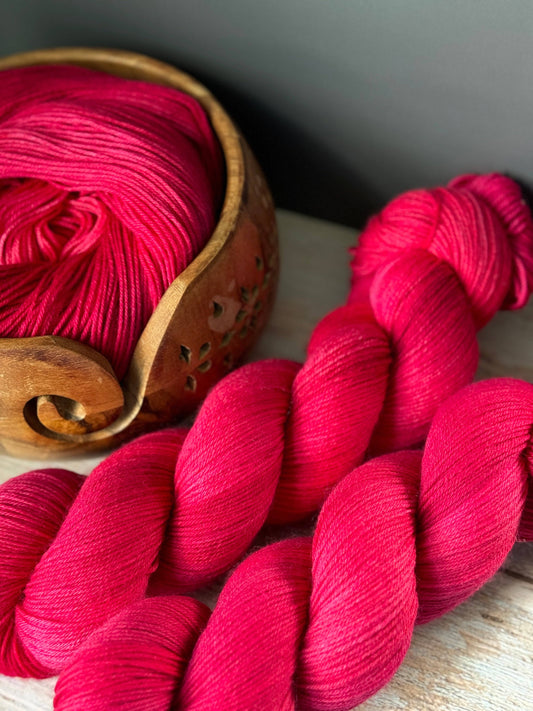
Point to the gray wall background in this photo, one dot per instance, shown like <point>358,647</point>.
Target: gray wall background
<point>346,102</point>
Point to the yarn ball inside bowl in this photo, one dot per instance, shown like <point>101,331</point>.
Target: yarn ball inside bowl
<point>109,187</point>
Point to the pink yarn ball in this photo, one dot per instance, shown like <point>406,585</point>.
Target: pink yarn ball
<point>108,189</point>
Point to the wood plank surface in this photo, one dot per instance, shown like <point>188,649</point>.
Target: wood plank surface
<point>477,658</point>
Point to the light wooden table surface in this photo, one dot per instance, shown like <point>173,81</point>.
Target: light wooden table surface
<point>477,658</point>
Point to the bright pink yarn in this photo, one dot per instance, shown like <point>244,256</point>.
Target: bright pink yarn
<point>108,189</point>
<point>271,440</point>
<point>322,624</point>
<point>152,641</point>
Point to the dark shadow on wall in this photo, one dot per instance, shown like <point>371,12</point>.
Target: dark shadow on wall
<point>303,175</point>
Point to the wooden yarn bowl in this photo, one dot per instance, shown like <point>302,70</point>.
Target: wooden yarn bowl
<point>60,396</point>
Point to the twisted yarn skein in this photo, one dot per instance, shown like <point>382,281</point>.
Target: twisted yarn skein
<point>321,624</point>
<point>108,189</point>
<point>377,369</point>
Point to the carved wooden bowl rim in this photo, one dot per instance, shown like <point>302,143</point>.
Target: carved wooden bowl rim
<point>133,386</point>
<point>134,65</point>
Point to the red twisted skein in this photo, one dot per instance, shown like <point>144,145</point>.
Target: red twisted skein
<point>321,624</point>
<point>273,438</point>
<point>108,189</point>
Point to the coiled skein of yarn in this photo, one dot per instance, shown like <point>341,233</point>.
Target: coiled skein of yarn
<point>377,369</point>
<point>109,187</point>
<point>321,624</point>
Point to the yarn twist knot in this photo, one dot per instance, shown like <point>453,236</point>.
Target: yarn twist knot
<point>321,624</point>
<point>270,441</point>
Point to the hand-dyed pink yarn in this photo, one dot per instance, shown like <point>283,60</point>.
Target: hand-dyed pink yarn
<point>321,624</point>
<point>108,189</point>
<point>269,443</point>
<point>152,641</point>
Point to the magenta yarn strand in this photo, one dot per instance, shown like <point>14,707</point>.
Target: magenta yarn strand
<point>174,509</point>
<point>322,623</point>
<point>108,189</point>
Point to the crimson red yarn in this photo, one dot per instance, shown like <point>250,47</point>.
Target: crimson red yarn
<point>108,189</point>
<point>321,624</point>
<point>274,437</point>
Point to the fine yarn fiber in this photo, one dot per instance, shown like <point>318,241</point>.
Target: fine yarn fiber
<point>322,623</point>
<point>109,188</point>
<point>268,445</point>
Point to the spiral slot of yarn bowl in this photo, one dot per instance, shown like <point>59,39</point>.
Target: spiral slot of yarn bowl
<point>58,395</point>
